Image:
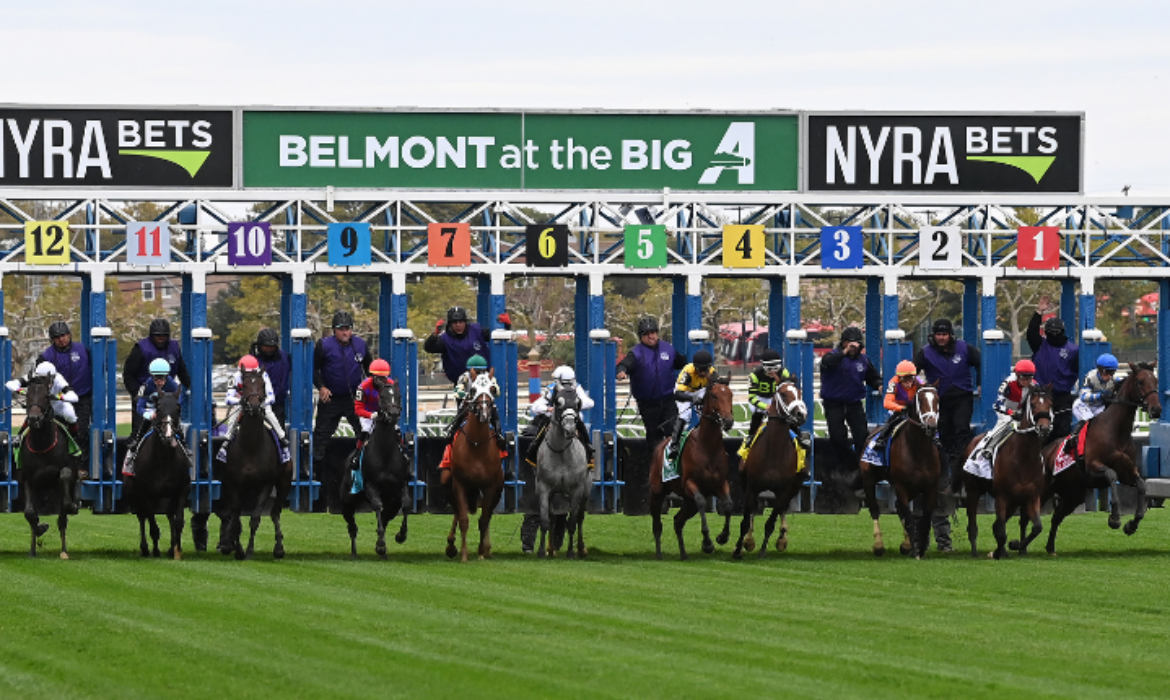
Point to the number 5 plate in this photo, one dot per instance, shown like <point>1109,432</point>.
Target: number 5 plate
<point>645,246</point>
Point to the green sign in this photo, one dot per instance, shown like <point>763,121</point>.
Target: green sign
<point>645,246</point>
<point>521,150</point>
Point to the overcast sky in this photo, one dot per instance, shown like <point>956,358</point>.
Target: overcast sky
<point>1110,60</point>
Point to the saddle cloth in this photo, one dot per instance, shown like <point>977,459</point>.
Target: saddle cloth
<point>978,465</point>
<point>1064,457</point>
<point>222,454</point>
<point>871,454</point>
<point>74,447</point>
<point>801,455</point>
<point>670,468</point>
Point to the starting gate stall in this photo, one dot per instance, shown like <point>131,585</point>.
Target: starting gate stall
<point>506,363</point>
<point>205,488</point>
<point>305,486</point>
<point>104,486</point>
<point>996,357</point>
<point>602,421</point>
<point>798,357</point>
<point>404,367</point>
<point>9,488</point>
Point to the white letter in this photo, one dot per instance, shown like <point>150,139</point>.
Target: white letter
<point>907,156</point>
<point>480,144</point>
<point>578,150</point>
<point>202,134</point>
<point>1024,131</point>
<point>93,138</point>
<point>178,125</point>
<point>23,146</point>
<point>128,134</point>
<point>681,161</point>
<point>321,152</point>
<point>292,151</point>
<point>530,150</point>
<point>941,145</point>
<point>1047,140</point>
<point>846,155</point>
<point>599,158</point>
<point>634,155</point>
<point>875,152</point>
<point>63,149</point>
<point>408,152</point>
<point>1001,139</point>
<point>510,159</point>
<point>154,134</point>
<point>976,139</point>
<point>343,158</point>
<point>376,151</point>
<point>457,153</point>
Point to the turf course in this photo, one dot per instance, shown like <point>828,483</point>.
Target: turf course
<point>825,619</point>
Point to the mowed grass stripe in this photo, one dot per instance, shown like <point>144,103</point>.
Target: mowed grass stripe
<point>824,619</point>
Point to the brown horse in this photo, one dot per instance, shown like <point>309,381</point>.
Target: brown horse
<point>1017,476</point>
<point>913,472</point>
<point>476,476</point>
<point>1110,455</point>
<point>772,465</point>
<point>703,471</point>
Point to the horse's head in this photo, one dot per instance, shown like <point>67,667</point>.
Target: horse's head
<point>253,392</point>
<point>166,415</point>
<point>566,408</point>
<point>482,399</point>
<point>1038,410</point>
<point>1141,387</point>
<point>389,400</point>
<point>37,400</point>
<point>717,402</point>
<point>925,407</point>
<point>787,404</point>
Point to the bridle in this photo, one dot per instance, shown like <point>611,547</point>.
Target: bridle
<point>566,407</point>
<point>715,415</point>
<point>1033,419</point>
<point>252,400</point>
<point>164,425</point>
<point>924,417</point>
<point>795,412</point>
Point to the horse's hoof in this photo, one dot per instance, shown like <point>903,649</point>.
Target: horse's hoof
<point>708,547</point>
<point>750,544</point>
<point>762,553</point>
<point>353,556</point>
<point>145,553</point>
<point>383,557</point>
<point>156,554</point>
<point>400,537</point>
<point>879,551</point>
<point>722,538</point>
<point>1014,545</point>
<point>682,557</point>
<point>452,552</point>
<point>40,530</point>
<point>904,549</point>
<point>737,554</point>
<point>240,556</point>
<point>583,553</point>
<point>64,555</point>
<point>1114,522</point>
<point>1130,527</point>
<point>278,552</point>
<point>782,545</point>
<point>178,556</point>
<point>380,550</point>
<point>570,554</point>
<point>917,557</point>
<point>540,553</point>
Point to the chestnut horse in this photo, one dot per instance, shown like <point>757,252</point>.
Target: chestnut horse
<point>1110,455</point>
<point>913,471</point>
<point>1017,476</point>
<point>476,477</point>
<point>703,471</point>
<point>772,465</point>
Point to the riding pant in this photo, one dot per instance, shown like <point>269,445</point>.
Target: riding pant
<point>684,407</point>
<point>367,424</point>
<point>64,409</point>
<point>1083,411</point>
<point>269,417</point>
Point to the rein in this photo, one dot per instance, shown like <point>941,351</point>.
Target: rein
<point>1033,419</point>
<point>923,417</point>
<point>787,408</point>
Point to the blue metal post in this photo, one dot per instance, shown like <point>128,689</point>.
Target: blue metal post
<point>678,314</point>
<point>1164,345</point>
<point>996,359</point>
<point>582,324</point>
<point>7,474</point>
<point>798,356</point>
<point>971,311</point>
<point>204,487</point>
<point>776,317</point>
<point>1068,304</point>
<point>300,417</point>
<point>103,488</point>
<point>991,373</point>
<point>1093,345</point>
<point>1088,317</point>
<point>404,368</point>
<point>505,362</point>
<point>792,319</point>
<point>874,311</point>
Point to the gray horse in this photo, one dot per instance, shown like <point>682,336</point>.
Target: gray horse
<point>561,468</point>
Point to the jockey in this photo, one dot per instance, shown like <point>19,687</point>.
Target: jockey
<point>543,408</point>
<point>160,381</point>
<point>365,404</point>
<point>689,389</point>
<point>475,365</point>
<point>762,383</point>
<point>248,363</point>
<point>899,393</point>
<point>61,395</point>
<point>1098,388</point>
<point>1007,405</point>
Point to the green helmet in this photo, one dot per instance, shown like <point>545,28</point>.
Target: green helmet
<point>476,362</point>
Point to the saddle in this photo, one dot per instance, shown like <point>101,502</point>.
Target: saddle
<point>74,448</point>
<point>1070,450</point>
<point>882,459</point>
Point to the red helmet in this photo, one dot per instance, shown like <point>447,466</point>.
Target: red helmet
<point>1025,367</point>
<point>248,362</point>
<point>380,367</point>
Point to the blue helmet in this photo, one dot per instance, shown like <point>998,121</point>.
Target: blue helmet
<point>160,367</point>
<point>1107,361</point>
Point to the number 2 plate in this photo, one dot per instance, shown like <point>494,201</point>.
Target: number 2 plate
<point>940,248</point>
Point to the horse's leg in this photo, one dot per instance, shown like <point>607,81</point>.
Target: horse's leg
<point>1000,527</point>
<point>1030,513</point>
<point>745,525</point>
<point>700,505</point>
<point>35,526</point>
<point>571,525</point>
<point>177,519</point>
<point>543,496</point>
<point>685,513</point>
<point>380,519</point>
<point>350,526</point>
<point>656,498</point>
<point>155,533</point>
<point>582,506</point>
<point>1132,526</point>
<point>875,511</point>
<point>143,548</point>
<point>451,550</point>
<point>1114,500</point>
<point>401,536</point>
<point>769,526</point>
<point>906,514</point>
<point>974,493</point>
<point>62,524</point>
<point>782,536</point>
<point>726,506</point>
<point>487,507</point>
<point>1064,506</point>
<point>254,525</point>
<point>929,500</point>
<point>461,514</point>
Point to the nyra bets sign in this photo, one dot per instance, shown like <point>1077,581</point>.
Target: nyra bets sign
<point>1017,153</point>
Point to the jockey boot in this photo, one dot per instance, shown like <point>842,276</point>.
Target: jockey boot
<point>679,425</point>
<point>363,436</point>
<point>284,441</point>
<point>534,447</point>
<point>804,440</point>
<point>586,441</point>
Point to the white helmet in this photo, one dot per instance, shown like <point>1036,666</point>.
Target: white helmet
<point>564,374</point>
<point>45,369</point>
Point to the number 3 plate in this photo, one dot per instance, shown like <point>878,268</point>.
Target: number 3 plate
<point>940,248</point>
<point>841,248</point>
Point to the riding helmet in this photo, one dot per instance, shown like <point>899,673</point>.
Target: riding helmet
<point>247,362</point>
<point>456,313</point>
<point>476,362</point>
<point>268,337</point>
<point>943,325</point>
<point>45,369</point>
<point>906,368</point>
<point>1025,367</point>
<point>160,367</point>
<point>702,360</point>
<point>342,319</point>
<point>647,325</point>
<point>852,334</point>
<point>770,360</point>
<point>58,329</point>
<point>1054,325</point>
<point>380,368</point>
<point>1107,361</point>
<point>160,326</point>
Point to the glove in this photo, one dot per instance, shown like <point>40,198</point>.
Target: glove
<point>1108,395</point>
<point>439,326</point>
<point>13,385</point>
<point>505,319</point>
<point>69,397</point>
<point>373,415</point>
<point>148,414</point>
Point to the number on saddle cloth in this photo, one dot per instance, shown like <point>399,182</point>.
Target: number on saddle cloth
<point>672,470</point>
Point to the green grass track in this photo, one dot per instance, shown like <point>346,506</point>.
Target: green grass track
<point>825,619</point>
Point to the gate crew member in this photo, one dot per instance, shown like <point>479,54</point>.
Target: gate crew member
<point>460,341</point>
<point>340,362</point>
<point>689,390</point>
<point>1058,363</point>
<point>845,372</point>
<point>72,362</point>
<point>158,346</point>
<point>277,364</point>
<point>947,360</point>
<point>652,366</point>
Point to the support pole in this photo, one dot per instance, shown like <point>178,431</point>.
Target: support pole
<point>972,311</point>
<point>776,317</point>
<point>306,487</point>
<point>404,368</point>
<point>204,487</point>
<point>1088,306</point>
<point>792,320</point>
<point>1068,304</point>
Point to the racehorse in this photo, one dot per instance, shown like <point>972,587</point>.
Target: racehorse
<point>1017,481</point>
<point>254,471</point>
<point>48,474</point>
<point>162,474</point>
<point>561,468</point>
<point>477,477</point>
<point>702,469</point>
<point>772,465</point>
<point>913,471</point>
<point>1110,455</point>
<point>385,471</point>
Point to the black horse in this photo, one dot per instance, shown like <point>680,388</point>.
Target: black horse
<point>48,474</point>
<point>254,475</point>
<point>385,472</point>
<point>161,479</point>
